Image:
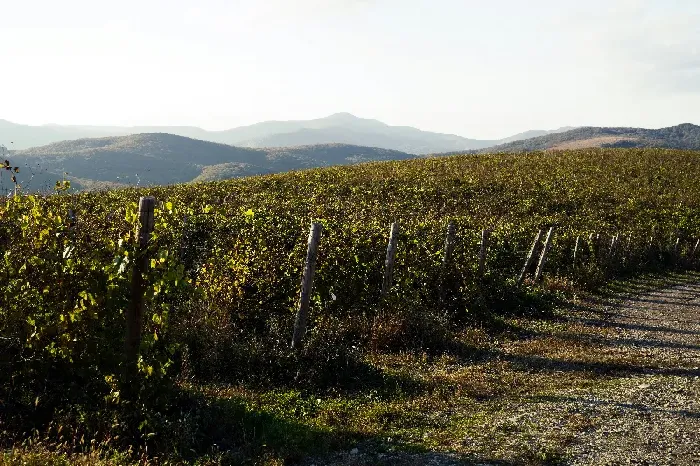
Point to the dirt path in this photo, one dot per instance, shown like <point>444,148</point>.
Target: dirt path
<point>606,384</point>
<point>653,415</point>
<point>643,407</point>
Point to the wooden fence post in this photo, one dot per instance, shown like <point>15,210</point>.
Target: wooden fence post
<point>695,249</point>
<point>449,244</point>
<point>482,252</point>
<point>530,256</point>
<point>650,248</point>
<point>307,282</point>
<point>576,246</point>
<point>612,252</point>
<point>545,251</point>
<point>613,245</point>
<point>390,257</point>
<point>134,314</point>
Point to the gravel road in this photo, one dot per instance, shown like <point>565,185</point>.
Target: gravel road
<point>640,404</point>
<point>653,415</point>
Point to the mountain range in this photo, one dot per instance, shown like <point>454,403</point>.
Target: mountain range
<point>162,158</point>
<point>342,128</point>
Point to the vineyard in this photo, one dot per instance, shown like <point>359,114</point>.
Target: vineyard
<point>223,267</point>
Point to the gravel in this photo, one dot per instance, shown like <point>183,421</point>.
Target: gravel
<point>642,405</point>
<point>653,415</point>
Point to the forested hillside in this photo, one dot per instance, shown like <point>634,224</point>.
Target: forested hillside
<point>160,158</point>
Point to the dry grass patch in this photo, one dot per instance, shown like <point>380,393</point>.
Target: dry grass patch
<point>590,142</point>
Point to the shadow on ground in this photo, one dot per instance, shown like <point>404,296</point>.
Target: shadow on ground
<point>248,433</point>
<point>639,407</point>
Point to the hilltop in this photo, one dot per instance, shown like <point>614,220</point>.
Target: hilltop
<point>349,129</point>
<point>159,158</point>
<point>683,136</point>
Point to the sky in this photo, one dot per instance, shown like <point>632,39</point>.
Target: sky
<point>479,69</point>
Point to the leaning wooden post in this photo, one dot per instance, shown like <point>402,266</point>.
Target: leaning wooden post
<point>694,250</point>
<point>134,314</point>
<point>576,246</point>
<point>307,281</point>
<point>545,251</point>
<point>691,252</point>
<point>530,256</point>
<point>613,244</point>
<point>650,247</point>
<point>390,258</point>
<point>612,252</point>
<point>482,252</point>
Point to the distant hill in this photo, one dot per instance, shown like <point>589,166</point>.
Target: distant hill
<point>349,129</point>
<point>684,136</point>
<point>534,134</point>
<point>342,128</point>
<point>159,158</point>
<point>18,137</point>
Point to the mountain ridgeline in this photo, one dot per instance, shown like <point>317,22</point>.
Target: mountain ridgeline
<point>685,136</point>
<point>160,158</point>
<point>342,128</point>
<point>339,128</point>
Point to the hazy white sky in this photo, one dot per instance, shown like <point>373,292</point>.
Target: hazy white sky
<point>481,69</point>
